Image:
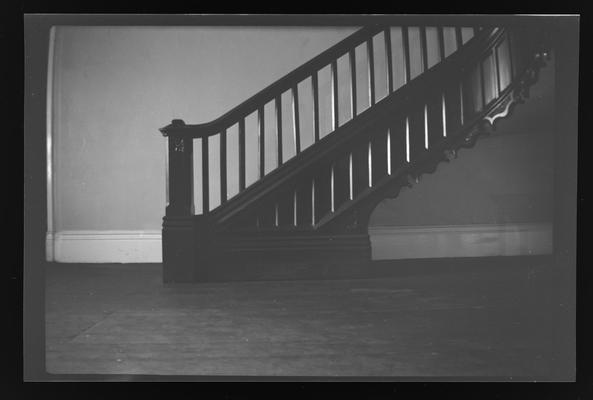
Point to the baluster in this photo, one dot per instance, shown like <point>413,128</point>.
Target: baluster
<point>303,190</point>
<point>295,119</point>
<point>350,177</point>
<point>441,36</point>
<point>379,155</point>
<point>266,214</point>
<point>424,48</point>
<point>407,139</point>
<point>511,59</point>
<point>332,189</point>
<point>426,126</point>
<point>435,118</point>
<point>285,209</point>
<point>496,71</point>
<point>444,114</point>
<point>322,191</point>
<point>467,96</point>
<point>387,34</point>
<point>335,104</point>
<point>352,55</point>
<point>406,45</point>
<point>461,104</point>
<point>262,141</point>
<point>167,201</point>
<point>458,37</point>
<point>371,68</point>
<point>279,127</point>
<point>452,104</point>
<point>223,184</point>
<point>360,165</point>
<point>482,84</point>
<point>241,154</point>
<point>472,91</point>
<point>397,139</point>
<point>388,151</point>
<point>205,177</point>
<point>294,208</point>
<point>416,129</point>
<point>313,201</point>
<point>341,180</point>
<point>315,84</point>
<point>370,165</point>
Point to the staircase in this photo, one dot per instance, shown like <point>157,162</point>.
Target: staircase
<point>308,215</point>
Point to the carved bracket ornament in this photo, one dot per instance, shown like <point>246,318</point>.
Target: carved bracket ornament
<point>504,108</point>
<point>450,154</point>
<point>178,145</point>
<point>167,131</point>
<point>521,92</point>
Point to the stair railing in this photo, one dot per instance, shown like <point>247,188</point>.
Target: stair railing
<point>181,135</point>
<point>400,137</point>
<point>376,146</point>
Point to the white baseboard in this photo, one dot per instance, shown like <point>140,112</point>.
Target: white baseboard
<point>49,246</point>
<point>389,242</point>
<point>104,247</point>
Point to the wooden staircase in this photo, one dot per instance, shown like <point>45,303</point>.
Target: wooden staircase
<point>311,212</point>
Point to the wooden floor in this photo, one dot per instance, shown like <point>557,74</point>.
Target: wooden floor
<point>468,319</point>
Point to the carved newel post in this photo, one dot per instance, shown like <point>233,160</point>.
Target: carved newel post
<point>178,239</point>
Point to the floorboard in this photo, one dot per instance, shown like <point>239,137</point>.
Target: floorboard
<point>481,319</point>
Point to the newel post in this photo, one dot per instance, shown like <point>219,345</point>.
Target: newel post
<point>178,223</point>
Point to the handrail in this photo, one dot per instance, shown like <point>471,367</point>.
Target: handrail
<point>179,128</point>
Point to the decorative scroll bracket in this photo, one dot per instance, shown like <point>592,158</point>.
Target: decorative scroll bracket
<point>504,109</point>
<point>521,92</point>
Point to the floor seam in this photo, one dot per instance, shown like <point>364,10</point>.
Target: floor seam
<point>72,338</point>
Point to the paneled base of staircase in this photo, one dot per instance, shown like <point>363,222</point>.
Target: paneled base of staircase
<point>286,256</point>
<point>196,256</point>
<point>367,269</point>
<point>303,269</point>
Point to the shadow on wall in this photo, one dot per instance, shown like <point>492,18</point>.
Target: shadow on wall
<point>501,191</point>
